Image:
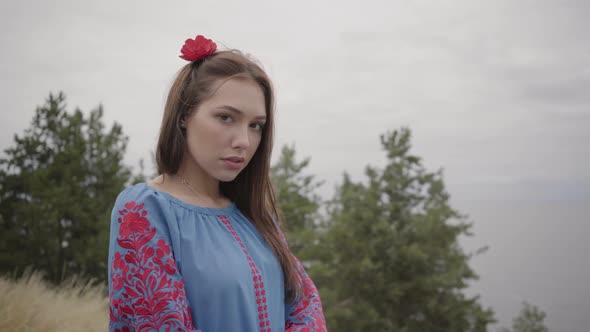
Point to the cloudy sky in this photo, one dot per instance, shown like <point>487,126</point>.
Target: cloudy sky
<point>497,93</point>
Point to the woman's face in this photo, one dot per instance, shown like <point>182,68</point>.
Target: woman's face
<point>228,124</point>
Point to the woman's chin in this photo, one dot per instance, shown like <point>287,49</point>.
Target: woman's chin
<point>228,177</point>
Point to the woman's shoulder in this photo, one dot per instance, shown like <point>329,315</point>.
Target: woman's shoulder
<point>139,193</point>
<point>150,194</point>
<point>136,191</point>
<point>140,204</point>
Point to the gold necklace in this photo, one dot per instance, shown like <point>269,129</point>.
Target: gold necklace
<point>188,185</point>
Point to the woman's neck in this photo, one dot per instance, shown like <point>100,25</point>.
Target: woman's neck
<point>198,182</point>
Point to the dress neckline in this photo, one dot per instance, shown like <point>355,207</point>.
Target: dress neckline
<point>229,209</point>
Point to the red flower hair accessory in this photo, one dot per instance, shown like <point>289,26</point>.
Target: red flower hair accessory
<point>195,49</point>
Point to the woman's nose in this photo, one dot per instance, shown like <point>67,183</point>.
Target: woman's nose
<point>242,138</point>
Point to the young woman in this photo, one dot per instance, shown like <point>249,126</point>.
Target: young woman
<point>200,247</point>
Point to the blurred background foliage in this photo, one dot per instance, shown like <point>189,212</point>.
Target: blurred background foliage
<point>384,253</point>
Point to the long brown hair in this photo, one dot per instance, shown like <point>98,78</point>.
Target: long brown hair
<point>251,190</point>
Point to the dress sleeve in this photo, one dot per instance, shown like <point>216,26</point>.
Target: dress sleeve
<point>146,290</point>
<point>305,314</point>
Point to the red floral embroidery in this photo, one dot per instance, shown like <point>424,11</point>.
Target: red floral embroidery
<point>146,293</point>
<point>306,314</point>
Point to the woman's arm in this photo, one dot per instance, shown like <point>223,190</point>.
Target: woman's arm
<point>146,291</point>
<point>306,313</point>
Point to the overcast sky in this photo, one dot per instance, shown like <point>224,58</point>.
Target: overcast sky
<point>497,93</point>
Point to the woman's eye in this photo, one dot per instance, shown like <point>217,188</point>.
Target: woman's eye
<point>260,126</point>
<point>224,116</point>
<point>227,118</point>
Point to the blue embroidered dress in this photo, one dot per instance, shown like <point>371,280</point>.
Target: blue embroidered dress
<point>174,266</point>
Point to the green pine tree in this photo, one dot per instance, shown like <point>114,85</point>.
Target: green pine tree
<point>58,183</point>
<point>392,261</point>
<point>530,319</point>
<point>298,201</point>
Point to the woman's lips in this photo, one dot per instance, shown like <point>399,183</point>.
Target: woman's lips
<point>232,165</point>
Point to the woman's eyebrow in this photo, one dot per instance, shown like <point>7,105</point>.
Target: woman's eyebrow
<point>235,110</point>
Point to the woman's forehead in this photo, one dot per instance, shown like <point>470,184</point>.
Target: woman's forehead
<point>243,95</point>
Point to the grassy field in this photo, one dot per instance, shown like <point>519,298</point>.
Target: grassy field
<point>30,304</point>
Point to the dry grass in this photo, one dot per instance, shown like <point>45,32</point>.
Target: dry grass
<point>30,304</point>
